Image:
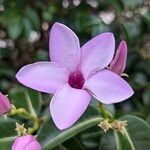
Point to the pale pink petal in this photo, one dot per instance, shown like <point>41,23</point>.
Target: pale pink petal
<point>64,47</point>
<point>34,145</point>
<point>119,62</point>
<point>26,142</point>
<point>43,76</point>
<point>108,87</point>
<point>97,53</point>
<point>67,106</point>
<point>21,142</point>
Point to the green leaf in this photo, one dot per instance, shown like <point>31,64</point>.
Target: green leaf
<point>74,144</point>
<point>57,137</point>
<point>146,97</point>
<point>91,137</point>
<point>132,31</point>
<point>33,17</point>
<point>15,27</point>
<point>50,136</point>
<point>6,143</point>
<point>146,18</point>
<point>137,136</point>
<point>26,98</point>
<point>132,4</point>
<point>107,141</point>
<point>27,27</point>
<point>117,4</point>
<point>42,55</point>
<point>48,12</point>
<point>7,72</point>
<point>7,133</point>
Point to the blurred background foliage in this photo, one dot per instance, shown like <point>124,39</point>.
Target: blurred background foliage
<point>24,33</point>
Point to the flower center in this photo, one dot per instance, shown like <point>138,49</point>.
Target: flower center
<point>76,80</point>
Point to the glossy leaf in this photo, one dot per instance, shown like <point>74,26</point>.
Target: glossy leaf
<point>132,31</point>
<point>117,4</point>
<point>15,28</point>
<point>28,99</point>
<point>137,136</point>
<point>33,17</point>
<point>7,133</point>
<point>49,136</point>
<point>132,4</point>
<point>91,137</point>
<point>74,144</point>
<point>27,27</point>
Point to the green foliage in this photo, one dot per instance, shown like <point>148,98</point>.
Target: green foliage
<point>21,98</point>
<point>15,27</point>
<point>7,133</point>
<point>138,135</point>
<point>50,136</point>
<point>26,98</point>
<point>132,4</point>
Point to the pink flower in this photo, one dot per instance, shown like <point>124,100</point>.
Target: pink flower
<point>75,74</point>
<point>119,62</point>
<point>27,142</point>
<point>4,104</point>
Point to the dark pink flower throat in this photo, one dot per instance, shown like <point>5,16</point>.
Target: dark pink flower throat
<point>76,80</point>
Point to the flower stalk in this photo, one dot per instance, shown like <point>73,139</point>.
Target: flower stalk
<point>117,125</point>
<point>104,112</point>
<point>24,113</point>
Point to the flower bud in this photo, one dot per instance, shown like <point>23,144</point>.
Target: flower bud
<point>105,125</point>
<point>26,142</point>
<point>4,104</point>
<point>119,125</point>
<point>118,64</point>
<point>21,130</point>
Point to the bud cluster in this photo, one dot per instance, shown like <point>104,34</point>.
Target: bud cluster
<point>115,125</point>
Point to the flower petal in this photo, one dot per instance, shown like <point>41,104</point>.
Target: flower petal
<point>33,146</point>
<point>67,106</point>
<point>22,142</point>
<point>43,76</point>
<point>97,53</point>
<point>119,62</point>
<point>26,142</point>
<point>64,47</point>
<point>108,87</point>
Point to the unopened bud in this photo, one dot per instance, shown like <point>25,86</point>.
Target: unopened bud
<point>27,142</point>
<point>105,125</point>
<point>119,125</point>
<point>118,64</point>
<point>4,104</point>
<point>21,130</point>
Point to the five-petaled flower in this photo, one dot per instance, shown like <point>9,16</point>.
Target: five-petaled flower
<point>74,74</point>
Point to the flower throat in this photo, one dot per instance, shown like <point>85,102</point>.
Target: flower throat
<point>76,80</point>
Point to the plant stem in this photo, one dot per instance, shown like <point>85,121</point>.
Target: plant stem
<point>24,113</point>
<point>104,112</point>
